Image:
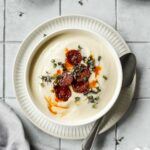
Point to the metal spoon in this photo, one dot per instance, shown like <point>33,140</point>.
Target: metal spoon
<point>128,62</point>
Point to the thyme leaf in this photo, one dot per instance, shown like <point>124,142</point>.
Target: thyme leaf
<point>105,77</point>
<point>77,99</point>
<point>79,47</point>
<point>99,58</point>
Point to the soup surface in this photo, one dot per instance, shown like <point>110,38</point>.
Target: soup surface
<point>72,76</point>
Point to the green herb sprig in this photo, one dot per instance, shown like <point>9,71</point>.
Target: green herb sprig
<point>79,48</point>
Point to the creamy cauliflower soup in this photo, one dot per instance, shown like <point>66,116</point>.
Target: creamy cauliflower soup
<point>72,76</point>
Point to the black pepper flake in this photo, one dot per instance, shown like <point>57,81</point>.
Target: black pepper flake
<point>118,141</point>
<point>80,2</point>
<point>44,35</point>
<point>21,14</point>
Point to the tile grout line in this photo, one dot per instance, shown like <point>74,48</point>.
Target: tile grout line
<point>13,41</point>
<point>59,7</point>
<point>138,42</point>
<point>4,34</point>
<point>59,143</point>
<point>116,135</point>
<point>10,97</point>
<point>116,15</point>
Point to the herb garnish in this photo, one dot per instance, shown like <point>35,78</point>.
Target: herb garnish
<point>42,84</point>
<point>97,98</point>
<point>94,105</point>
<point>105,77</point>
<point>53,60</point>
<point>93,100</point>
<point>85,78</point>
<point>99,58</point>
<point>80,2</point>
<point>90,99</point>
<point>55,83</point>
<point>93,91</point>
<point>77,99</point>
<point>84,58</point>
<point>54,63</point>
<point>91,63</point>
<point>79,47</point>
<point>60,63</point>
<point>46,78</point>
<point>21,14</point>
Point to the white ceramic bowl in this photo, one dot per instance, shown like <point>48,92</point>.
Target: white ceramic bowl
<point>111,101</point>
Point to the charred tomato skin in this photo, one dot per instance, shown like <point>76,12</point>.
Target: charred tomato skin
<point>74,57</point>
<point>65,79</point>
<point>80,87</point>
<point>81,73</point>
<point>62,92</point>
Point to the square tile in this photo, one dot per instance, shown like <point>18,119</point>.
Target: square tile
<point>135,127</point>
<point>142,52</point>
<point>1,69</point>
<point>73,144</point>
<point>104,10</point>
<point>1,19</point>
<point>24,15</point>
<point>37,138</point>
<point>10,55</point>
<point>103,142</point>
<point>133,19</point>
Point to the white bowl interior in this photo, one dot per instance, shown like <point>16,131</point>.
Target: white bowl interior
<point>112,68</point>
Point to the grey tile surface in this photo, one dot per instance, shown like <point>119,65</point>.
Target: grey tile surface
<point>1,19</point>
<point>135,127</point>
<point>103,142</point>
<point>1,69</point>
<point>104,10</point>
<point>133,23</point>
<point>142,52</point>
<point>38,139</point>
<point>133,19</point>
<point>23,15</point>
<point>10,54</point>
<point>71,144</point>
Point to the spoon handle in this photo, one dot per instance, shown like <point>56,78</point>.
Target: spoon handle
<point>88,142</point>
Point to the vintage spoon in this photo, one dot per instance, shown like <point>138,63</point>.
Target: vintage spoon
<point>128,62</point>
